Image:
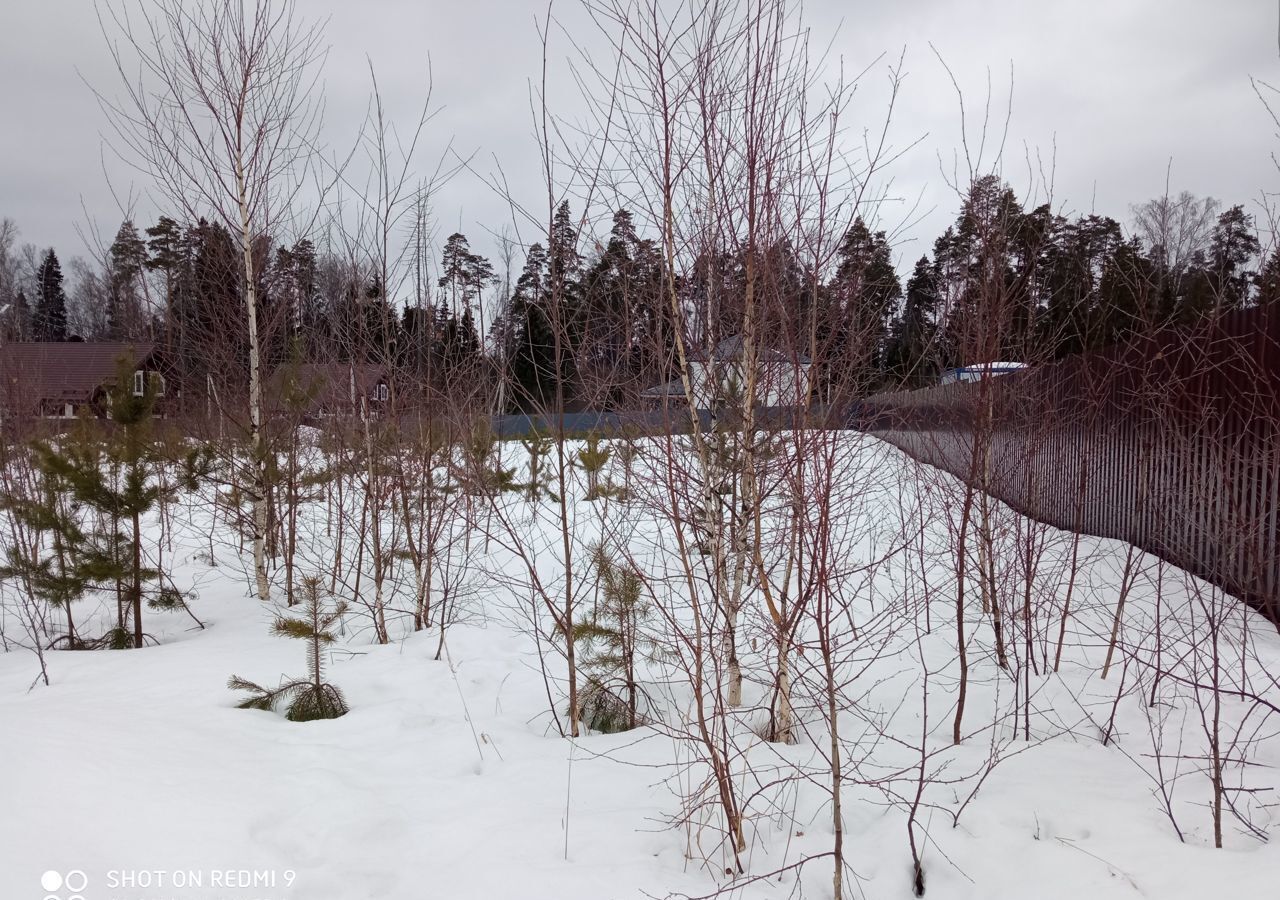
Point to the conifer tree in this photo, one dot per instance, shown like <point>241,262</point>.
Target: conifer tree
<point>1126,294</point>
<point>623,330</point>
<point>538,445</point>
<point>564,264</point>
<point>612,643</point>
<point>592,458</point>
<point>59,577</point>
<point>911,358</point>
<point>531,356</point>
<point>115,477</point>
<point>864,292</point>
<point>1267,281</point>
<point>464,274</point>
<point>307,698</point>
<point>543,320</point>
<point>124,300</point>
<point>482,462</point>
<point>50,322</point>
<point>1232,247</point>
<point>168,252</point>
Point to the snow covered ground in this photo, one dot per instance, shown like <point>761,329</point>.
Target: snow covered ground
<point>448,778</point>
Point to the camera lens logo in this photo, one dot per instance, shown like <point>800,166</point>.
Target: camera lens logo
<point>74,881</point>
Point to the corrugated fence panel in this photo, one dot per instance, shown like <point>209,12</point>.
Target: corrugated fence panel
<point>1170,442</point>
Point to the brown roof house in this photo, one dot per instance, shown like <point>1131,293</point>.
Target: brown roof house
<point>59,380</point>
<point>327,390</point>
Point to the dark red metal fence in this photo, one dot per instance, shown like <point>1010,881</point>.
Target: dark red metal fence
<point>1170,442</point>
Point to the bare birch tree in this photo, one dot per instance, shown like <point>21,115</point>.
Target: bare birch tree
<point>219,106</point>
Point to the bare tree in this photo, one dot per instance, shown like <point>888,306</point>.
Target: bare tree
<point>218,106</point>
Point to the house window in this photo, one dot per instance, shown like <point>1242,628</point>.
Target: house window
<point>381,393</point>
<point>140,379</point>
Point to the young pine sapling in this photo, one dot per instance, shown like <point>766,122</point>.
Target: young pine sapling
<point>306,698</point>
<point>612,641</point>
<point>539,482</point>
<point>58,578</point>
<point>592,459</point>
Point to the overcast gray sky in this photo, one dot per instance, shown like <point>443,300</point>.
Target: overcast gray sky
<point>1115,90</point>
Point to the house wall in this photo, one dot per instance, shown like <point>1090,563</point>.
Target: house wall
<point>778,383</point>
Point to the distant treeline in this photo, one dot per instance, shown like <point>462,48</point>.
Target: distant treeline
<point>588,321</point>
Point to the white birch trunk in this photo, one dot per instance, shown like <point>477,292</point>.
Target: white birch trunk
<point>259,467</point>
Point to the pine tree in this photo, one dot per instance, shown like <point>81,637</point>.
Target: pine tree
<point>453,267</point>
<point>482,462</point>
<point>911,359</point>
<point>613,642</point>
<point>623,333</point>
<point>1232,247</point>
<point>464,274</point>
<point>114,477</point>
<point>546,305</point>
<point>169,254</point>
<point>1073,260</point>
<point>865,290</point>
<point>531,357</point>
<point>128,255</point>
<point>309,698</point>
<point>59,577</point>
<point>539,482</point>
<point>564,264</point>
<point>591,458</point>
<point>306,318</point>
<point>1267,281</point>
<point>983,276</point>
<point>1127,294</point>
<point>50,323</point>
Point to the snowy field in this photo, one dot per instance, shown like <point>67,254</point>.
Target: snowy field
<point>449,777</point>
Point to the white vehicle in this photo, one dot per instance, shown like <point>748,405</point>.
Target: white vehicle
<point>978,371</point>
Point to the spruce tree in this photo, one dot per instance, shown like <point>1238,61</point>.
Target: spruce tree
<point>50,322</point>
